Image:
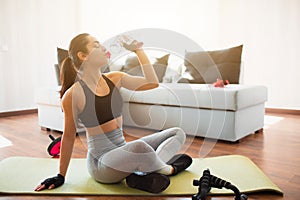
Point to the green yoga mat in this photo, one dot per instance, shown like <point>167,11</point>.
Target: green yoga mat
<point>20,175</point>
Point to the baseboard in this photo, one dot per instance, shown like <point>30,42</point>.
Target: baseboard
<point>268,110</point>
<point>18,112</point>
<point>282,111</point>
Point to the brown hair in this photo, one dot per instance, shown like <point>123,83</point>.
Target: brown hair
<point>71,65</point>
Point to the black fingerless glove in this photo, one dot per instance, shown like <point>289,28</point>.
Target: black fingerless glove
<point>56,180</point>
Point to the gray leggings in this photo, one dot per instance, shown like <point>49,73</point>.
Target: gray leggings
<point>110,159</point>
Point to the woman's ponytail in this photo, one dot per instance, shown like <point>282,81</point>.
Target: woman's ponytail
<point>68,75</point>
<point>71,65</point>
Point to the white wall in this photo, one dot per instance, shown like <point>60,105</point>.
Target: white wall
<point>196,19</point>
<point>30,31</point>
<point>268,29</point>
<point>270,33</point>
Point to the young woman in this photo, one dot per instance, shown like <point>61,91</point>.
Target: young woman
<point>95,101</point>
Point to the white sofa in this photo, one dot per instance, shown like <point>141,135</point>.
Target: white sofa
<point>229,113</point>
<point>50,114</point>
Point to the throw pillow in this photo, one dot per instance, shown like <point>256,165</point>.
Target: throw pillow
<point>132,66</point>
<point>57,74</point>
<point>207,66</point>
<point>61,55</point>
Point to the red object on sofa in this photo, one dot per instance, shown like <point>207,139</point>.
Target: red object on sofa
<point>220,83</point>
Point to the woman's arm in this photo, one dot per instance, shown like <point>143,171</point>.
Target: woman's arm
<point>67,143</point>
<point>149,81</point>
<point>146,66</point>
<point>69,133</point>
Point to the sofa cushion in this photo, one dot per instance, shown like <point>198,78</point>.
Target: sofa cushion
<point>233,97</point>
<point>132,66</point>
<point>57,74</point>
<point>207,66</point>
<point>61,55</point>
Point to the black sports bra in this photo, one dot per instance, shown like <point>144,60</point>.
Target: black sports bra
<point>100,109</point>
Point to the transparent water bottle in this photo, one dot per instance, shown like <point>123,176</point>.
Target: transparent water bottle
<point>124,42</point>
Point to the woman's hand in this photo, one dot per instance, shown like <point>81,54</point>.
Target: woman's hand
<point>129,43</point>
<point>51,183</point>
<point>133,46</point>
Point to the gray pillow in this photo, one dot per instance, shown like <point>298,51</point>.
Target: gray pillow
<point>61,55</point>
<point>57,74</point>
<point>208,66</point>
<point>132,66</point>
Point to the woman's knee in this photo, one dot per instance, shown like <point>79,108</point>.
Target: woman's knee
<point>140,146</point>
<point>179,133</point>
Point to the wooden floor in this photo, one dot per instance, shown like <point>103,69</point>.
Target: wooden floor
<point>276,151</point>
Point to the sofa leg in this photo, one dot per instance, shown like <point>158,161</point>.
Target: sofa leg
<point>45,129</point>
<point>259,131</point>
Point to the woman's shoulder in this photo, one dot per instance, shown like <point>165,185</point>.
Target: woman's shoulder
<point>73,94</point>
<point>115,76</point>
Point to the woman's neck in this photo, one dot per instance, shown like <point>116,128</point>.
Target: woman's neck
<point>91,76</point>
